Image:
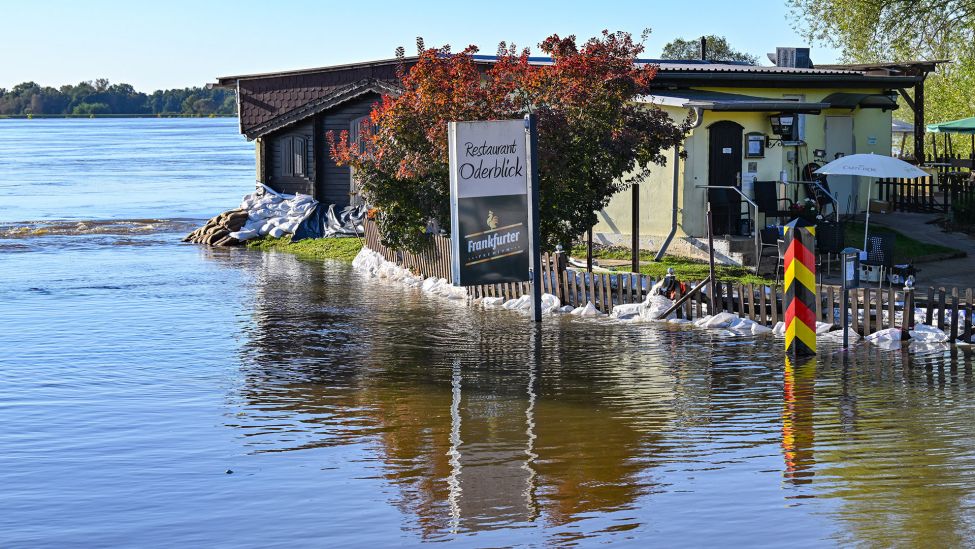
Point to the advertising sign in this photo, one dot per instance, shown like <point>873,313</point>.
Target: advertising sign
<point>489,202</point>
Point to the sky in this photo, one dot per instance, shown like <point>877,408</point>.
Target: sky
<point>179,43</point>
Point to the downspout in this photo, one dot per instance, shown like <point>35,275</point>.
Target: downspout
<point>698,120</point>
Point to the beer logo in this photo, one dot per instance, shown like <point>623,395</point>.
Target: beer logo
<point>493,220</point>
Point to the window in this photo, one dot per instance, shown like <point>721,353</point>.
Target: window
<point>359,130</point>
<point>294,154</point>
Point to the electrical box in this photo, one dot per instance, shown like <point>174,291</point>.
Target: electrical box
<point>851,269</point>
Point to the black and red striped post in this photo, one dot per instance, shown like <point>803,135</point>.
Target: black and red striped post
<point>800,287</point>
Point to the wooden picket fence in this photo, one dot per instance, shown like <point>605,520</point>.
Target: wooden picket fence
<point>872,309</point>
<point>924,194</point>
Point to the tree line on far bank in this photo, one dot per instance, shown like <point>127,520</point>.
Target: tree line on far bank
<point>95,97</point>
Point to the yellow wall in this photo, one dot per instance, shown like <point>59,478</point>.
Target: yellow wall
<point>871,128</point>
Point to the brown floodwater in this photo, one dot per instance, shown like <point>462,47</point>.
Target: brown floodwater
<point>158,394</point>
<point>349,413</point>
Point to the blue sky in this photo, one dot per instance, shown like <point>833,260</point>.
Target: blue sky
<point>181,43</point>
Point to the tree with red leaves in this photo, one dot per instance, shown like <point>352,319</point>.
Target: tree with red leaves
<point>594,138</point>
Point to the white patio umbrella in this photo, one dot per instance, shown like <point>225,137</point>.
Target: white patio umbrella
<point>871,165</point>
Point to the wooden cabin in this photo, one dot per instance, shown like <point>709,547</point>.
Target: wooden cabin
<point>287,115</point>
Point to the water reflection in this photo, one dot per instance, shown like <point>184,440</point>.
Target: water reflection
<point>798,435</point>
<point>479,423</point>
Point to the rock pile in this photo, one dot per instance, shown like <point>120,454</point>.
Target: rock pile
<point>216,231</point>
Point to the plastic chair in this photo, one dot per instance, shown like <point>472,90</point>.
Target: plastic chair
<point>768,236</point>
<point>829,241</point>
<point>880,253</point>
<point>768,202</point>
<point>782,248</point>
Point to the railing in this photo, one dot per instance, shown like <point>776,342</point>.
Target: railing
<point>755,231</point>
<point>931,194</point>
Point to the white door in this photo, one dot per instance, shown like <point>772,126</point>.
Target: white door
<point>839,142</point>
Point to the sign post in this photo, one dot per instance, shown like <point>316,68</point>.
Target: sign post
<point>493,187</point>
<point>535,251</point>
<point>851,281</point>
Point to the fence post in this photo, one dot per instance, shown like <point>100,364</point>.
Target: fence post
<point>907,317</point>
<point>560,265</point>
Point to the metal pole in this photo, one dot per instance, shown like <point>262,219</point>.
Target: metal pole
<point>846,306</point>
<point>589,250</point>
<point>534,233</point>
<point>711,304</point>
<point>635,189</point>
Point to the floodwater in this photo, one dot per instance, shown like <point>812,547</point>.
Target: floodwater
<point>157,394</point>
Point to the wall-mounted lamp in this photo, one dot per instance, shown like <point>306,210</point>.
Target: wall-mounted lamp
<point>784,126</point>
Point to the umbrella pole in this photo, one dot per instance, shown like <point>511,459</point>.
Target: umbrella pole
<point>866,225</point>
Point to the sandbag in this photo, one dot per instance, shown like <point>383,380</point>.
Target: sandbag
<point>626,311</point>
<point>654,306</point>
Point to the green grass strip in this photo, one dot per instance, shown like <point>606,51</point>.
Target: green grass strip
<point>341,249</point>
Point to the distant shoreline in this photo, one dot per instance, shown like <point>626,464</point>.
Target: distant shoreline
<point>172,115</point>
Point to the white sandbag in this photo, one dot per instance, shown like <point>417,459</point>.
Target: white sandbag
<point>888,339</point>
<point>277,232</point>
<point>523,303</point>
<point>550,303</point>
<point>892,334</point>
<point>492,301</point>
<point>429,284</point>
<point>720,320</point>
<point>244,234</point>
<point>654,306</point>
<point>823,327</point>
<point>626,310</point>
<point>779,329</point>
<point>759,329</point>
<point>457,293</point>
<point>566,309</point>
<point>678,321</point>
<point>928,334</point>
<point>589,310</point>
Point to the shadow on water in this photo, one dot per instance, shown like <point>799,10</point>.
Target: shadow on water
<point>590,428</point>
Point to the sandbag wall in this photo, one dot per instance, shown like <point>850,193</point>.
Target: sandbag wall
<point>216,231</point>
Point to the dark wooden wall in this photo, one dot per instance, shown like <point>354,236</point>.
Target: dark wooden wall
<point>335,181</point>
<point>327,182</point>
<point>275,147</point>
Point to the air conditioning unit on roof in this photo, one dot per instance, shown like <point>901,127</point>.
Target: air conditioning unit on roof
<point>791,57</point>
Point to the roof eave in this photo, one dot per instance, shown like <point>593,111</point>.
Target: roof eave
<point>319,105</point>
<point>229,80</point>
<point>689,78</point>
<point>760,106</point>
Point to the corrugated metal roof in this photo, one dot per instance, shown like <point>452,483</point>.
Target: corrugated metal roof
<point>682,66</point>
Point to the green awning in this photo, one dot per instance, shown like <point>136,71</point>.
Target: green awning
<point>845,100</point>
<point>964,125</point>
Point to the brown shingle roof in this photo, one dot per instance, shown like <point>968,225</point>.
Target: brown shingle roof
<point>263,98</point>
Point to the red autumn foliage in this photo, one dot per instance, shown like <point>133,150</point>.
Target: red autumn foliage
<point>592,134</point>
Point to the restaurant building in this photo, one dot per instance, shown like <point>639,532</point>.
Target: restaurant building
<point>750,125</point>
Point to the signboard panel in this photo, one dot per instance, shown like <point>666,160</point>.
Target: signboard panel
<point>489,202</point>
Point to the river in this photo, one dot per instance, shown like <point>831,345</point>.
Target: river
<point>159,394</point>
